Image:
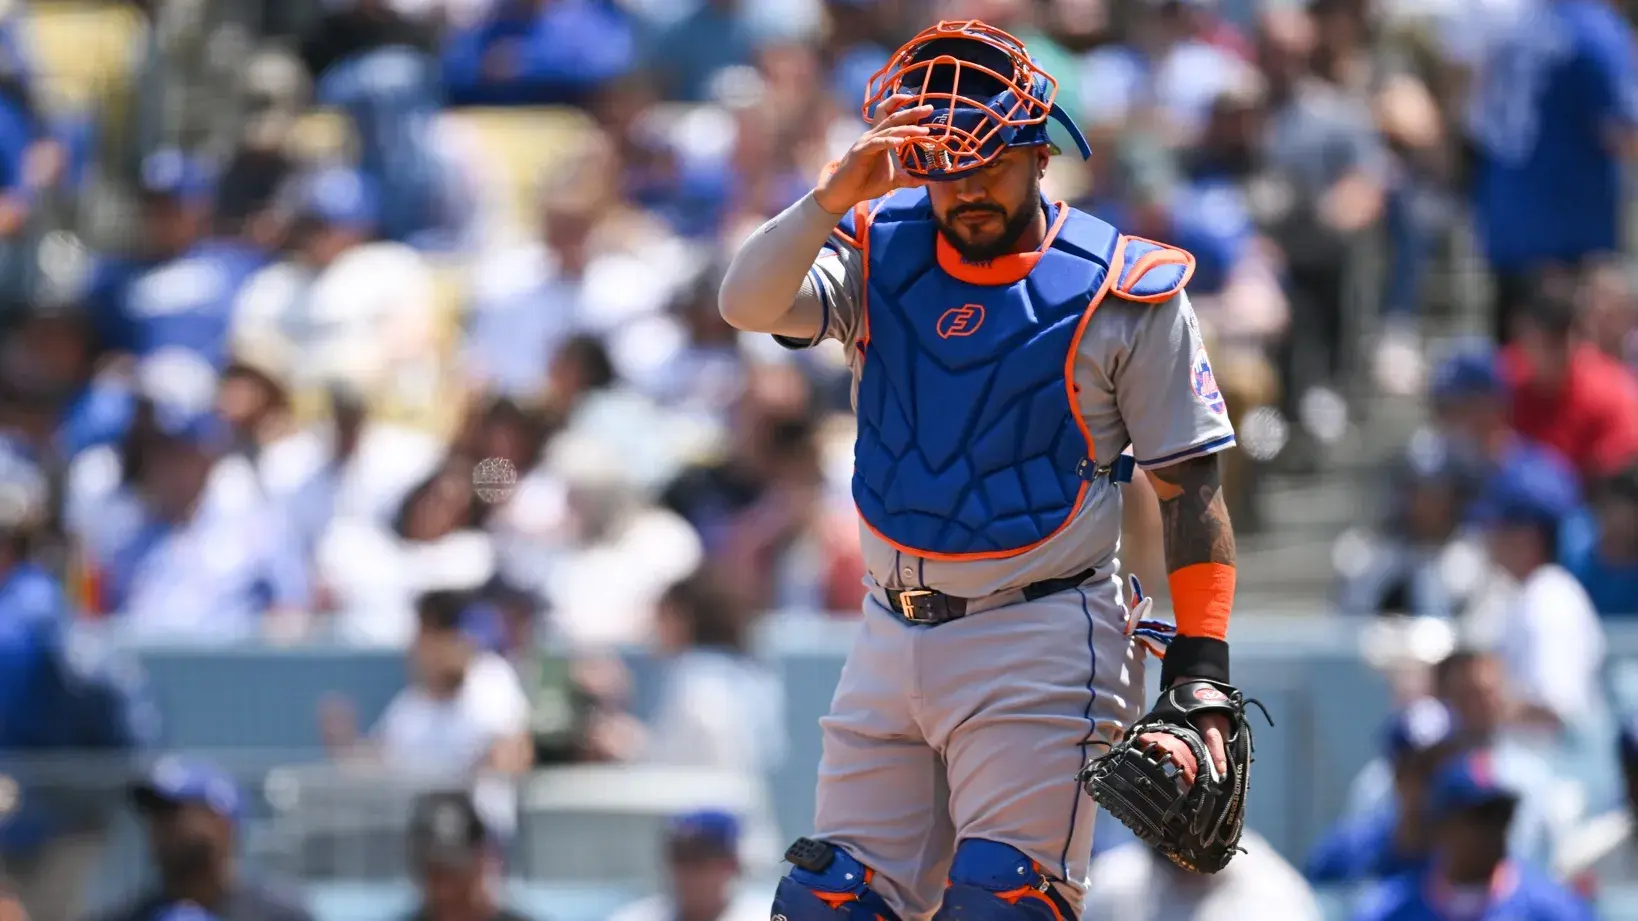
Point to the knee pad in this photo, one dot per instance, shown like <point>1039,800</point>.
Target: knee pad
<point>991,881</point>
<point>826,883</point>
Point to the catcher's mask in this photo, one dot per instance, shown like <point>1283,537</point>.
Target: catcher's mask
<point>989,96</point>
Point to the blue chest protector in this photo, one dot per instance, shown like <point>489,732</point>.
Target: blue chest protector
<point>970,441</point>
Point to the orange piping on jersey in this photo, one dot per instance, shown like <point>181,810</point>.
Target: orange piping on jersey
<point>861,227</point>
<point>1115,261</point>
<point>1202,597</point>
<point>1166,255</point>
<point>1074,410</point>
<point>1003,270</point>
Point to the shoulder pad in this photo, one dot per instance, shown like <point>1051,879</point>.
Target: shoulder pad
<point>893,208</point>
<point>901,205</point>
<point>1151,272</point>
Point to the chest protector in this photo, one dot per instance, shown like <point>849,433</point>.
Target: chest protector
<point>971,443</point>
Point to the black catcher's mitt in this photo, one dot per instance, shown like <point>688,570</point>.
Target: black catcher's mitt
<point>1198,827</point>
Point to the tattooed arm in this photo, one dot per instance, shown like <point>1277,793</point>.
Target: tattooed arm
<point>1199,542</point>
<point>1200,569</point>
<point>1194,520</point>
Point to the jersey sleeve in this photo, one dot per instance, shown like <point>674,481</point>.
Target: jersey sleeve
<point>1167,395</point>
<point>835,284</point>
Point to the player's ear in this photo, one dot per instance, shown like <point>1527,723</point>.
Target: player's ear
<point>1043,154</point>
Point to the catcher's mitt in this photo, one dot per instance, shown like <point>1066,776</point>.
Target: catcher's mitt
<point>1199,826</point>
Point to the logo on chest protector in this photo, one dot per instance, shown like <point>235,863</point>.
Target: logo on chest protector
<point>961,321</point>
<point>1204,382</point>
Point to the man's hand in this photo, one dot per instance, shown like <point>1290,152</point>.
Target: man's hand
<point>1214,726</point>
<point>871,168</point>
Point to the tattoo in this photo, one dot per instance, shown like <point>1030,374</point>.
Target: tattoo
<point>1194,519</point>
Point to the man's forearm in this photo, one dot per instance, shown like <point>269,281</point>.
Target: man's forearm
<point>1200,565</point>
<point>762,291</point>
<point>1194,520</point>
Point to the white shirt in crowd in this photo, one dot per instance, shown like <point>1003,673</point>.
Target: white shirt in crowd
<point>369,320</point>
<point>726,712</point>
<point>448,740</point>
<point>1552,644</point>
<point>719,710</point>
<point>1134,883</point>
<point>452,737</point>
<point>1603,851</point>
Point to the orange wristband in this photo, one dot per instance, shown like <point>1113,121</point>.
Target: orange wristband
<point>1202,596</point>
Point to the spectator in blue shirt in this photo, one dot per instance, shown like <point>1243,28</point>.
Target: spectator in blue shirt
<point>539,52</point>
<point>185,299</point>
<point>1550,117</point>
<point>174,197</point>
<point>1470,876</point>
<point>59,692</point>
<point>1474,687</point>
<point>189,550</point>
<point>1393,838</point>
<point>1471,403</point>
<point>193,811</point>
<point>1608,567</point>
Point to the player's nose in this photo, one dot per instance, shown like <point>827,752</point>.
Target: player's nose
<point>968,190</point>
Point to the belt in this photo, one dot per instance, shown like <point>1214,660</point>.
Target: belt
<point>927,607</point>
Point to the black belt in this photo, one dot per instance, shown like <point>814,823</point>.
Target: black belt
<point>928,607</point>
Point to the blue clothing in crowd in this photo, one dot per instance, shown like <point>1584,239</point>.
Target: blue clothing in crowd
<point>60,690</point>
<point>186,302</point>
<point>524,56</point>
<point>1613,587</point>
<point>1210,219</point>
<point>104,299</point>
<point>1548,180</point>
<point>1521,893</point>
<point>208,578</point>
<point>393,96</point>
<point>1358,849</point>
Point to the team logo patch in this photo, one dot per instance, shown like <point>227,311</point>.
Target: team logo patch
<point>1209,695</point>
<point>1205,382</point>
<point>964,321</point>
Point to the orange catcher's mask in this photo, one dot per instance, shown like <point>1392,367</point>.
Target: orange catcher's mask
<point>988,93</point>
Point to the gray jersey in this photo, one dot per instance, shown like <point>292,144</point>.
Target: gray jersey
<point>1146,388</point>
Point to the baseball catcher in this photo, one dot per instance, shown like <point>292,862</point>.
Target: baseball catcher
<point>1013,361</point>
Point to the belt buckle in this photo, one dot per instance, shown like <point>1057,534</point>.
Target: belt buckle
<point>907,605</point>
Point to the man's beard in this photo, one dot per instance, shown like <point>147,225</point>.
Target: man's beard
<point>987,251</point>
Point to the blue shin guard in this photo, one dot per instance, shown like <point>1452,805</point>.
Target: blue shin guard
<point>990,881</point>
<point>826,883</point>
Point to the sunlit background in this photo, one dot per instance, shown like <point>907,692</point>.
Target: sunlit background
<point>367,428</point>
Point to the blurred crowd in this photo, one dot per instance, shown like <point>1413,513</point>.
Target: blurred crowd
<point>392,324</point>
